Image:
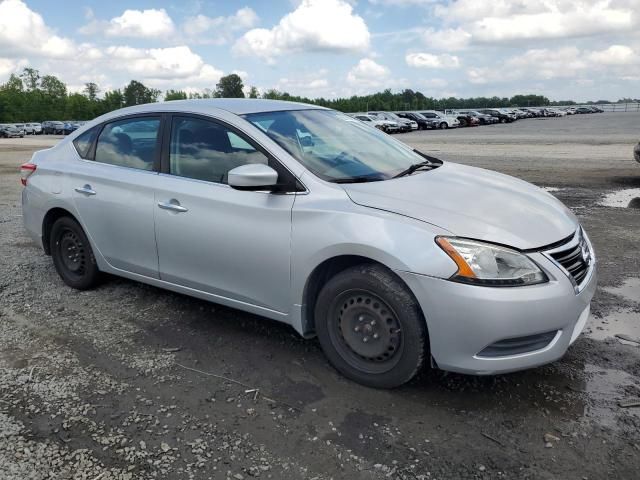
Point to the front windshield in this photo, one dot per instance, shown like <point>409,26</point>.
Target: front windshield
<point>335,146</point>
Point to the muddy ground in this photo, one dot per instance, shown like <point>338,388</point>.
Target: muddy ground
<point>131,382</point>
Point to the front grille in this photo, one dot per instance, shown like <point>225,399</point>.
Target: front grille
<point>516,346</point>
<point>575,259</point>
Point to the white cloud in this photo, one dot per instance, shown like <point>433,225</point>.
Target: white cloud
<point>558,63</point>
<point>429,60</point>
<point>615,55</point>
<point>315,25</point>
<point>448,39</point>
<point>218,30</point>
<point>313,84</point>
<point>501,21</point>
<point>151,23</point>
<point>368,73</point>
<point>23,31</point>
<point>164,64</point>
<point>11,65</point>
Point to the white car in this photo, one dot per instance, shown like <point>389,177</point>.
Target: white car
<point>444,121</point>
<point>387,126</point>
<point>32,128</point>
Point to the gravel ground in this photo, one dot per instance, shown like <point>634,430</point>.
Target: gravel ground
<point>131,382</point>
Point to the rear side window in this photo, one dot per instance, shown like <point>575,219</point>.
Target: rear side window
<point>84,141</point>
<point>129,143</point>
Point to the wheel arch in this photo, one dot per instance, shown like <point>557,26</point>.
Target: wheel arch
<point>321,274</point>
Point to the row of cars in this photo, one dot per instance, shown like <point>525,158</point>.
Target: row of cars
<point>48,127</point>
<point>406,121</point>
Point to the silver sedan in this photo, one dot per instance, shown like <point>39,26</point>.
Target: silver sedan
<point>392,258</point>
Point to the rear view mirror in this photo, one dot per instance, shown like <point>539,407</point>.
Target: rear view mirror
<point>253,176</point>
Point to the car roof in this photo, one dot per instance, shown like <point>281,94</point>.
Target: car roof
<point>238,106</point>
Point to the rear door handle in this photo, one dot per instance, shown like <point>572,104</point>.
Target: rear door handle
<point>87,190</point>
<point>170,205</point>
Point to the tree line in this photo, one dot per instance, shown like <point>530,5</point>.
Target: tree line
<point>32,97</point>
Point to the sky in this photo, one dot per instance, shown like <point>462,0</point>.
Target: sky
<point>564,49</point>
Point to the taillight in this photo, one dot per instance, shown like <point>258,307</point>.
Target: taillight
<point>26,171</point>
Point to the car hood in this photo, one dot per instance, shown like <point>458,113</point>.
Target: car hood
<point>474,203</point>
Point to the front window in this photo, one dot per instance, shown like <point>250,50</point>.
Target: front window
<point>334,146</point>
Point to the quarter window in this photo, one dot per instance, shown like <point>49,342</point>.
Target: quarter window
<point>84,141</point>
<point>129,143</point>
<point>206,150</point>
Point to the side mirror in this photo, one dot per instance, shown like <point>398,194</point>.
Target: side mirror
<point>253,176</point>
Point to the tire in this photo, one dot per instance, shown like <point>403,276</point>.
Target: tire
<point>72,255</point>
<point>443,126</point>
<point>370,327</point>
<point>503,120</point>
<point>464,123</point>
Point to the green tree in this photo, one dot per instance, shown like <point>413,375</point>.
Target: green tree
<point>253,92</point>
<point>113,100</point>
<point>53,87</point>
<point>175,95</point>
<point>14,83</point>
<point>91,90</point>
<point>30,78</point>
<point>137,93</point>
<point>230,86</point>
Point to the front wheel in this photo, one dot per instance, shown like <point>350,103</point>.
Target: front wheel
<point>72,254</point>
<point>443,125</point>
<point>370,327</point>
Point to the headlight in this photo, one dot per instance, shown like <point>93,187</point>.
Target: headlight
<point>482,263</point>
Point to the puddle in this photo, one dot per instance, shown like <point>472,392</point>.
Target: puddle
<point>629,198</point>
<point>606,388</point>
<point>629,290</point>
<point>624,323</point>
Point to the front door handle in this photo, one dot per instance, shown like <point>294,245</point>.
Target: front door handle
<point>173,206</point>
<point>87,190</point>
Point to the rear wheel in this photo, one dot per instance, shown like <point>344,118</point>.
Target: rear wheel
<point>72,254</point>
<point>370,327</point>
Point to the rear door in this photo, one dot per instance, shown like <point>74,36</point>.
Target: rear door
<point>211,237</point>
<point>114,190</point>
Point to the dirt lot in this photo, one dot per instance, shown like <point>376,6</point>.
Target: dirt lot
<point>126,381</point>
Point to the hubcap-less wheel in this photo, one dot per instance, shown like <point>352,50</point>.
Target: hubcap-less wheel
<point>72,253</point>
<point>366,331</point>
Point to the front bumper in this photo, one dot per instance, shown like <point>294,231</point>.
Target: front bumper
<point>463,320</point>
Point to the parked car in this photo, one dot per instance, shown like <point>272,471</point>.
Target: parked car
<point>10,131</point>
<point>583,110</point>
<point>69,127</point>
<point>20,127</point>
<point>440,119</point>
<point>51,127</point>
<point>423,123</point>
<point>393,258</point>
<point>465,119</point>
<point>384,125</point>
<point>636,152</point>
<point>499,115</point>
<point>405,124</point>
<point>32,128</point>
<point>482,117</point>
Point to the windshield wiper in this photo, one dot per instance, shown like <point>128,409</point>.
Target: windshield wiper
<point>414,167</point>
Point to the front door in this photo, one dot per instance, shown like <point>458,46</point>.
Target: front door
<point>211,237</point>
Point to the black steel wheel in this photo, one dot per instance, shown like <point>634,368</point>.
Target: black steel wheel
<point>72,254</point>
<point>365,330</point>
<point>371,327</point>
